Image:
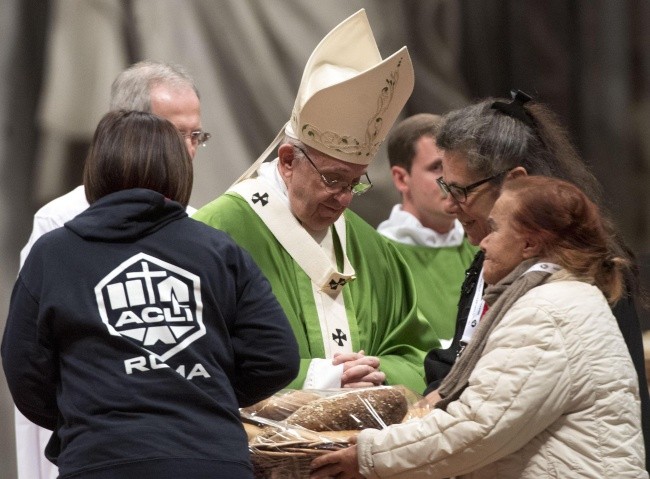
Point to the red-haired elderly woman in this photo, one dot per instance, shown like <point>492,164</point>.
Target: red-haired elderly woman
<point>546,388</point>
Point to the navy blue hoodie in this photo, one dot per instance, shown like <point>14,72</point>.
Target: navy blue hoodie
<point>135,333</point>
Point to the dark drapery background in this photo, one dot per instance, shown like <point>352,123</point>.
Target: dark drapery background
<point>588,59</point>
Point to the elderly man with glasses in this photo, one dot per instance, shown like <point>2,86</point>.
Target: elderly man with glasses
<point>160,88</point>
<point>348,294</point>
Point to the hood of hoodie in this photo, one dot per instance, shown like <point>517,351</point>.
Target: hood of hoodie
<point>125,216</point>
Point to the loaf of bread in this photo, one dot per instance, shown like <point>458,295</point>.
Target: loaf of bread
<point>281,405</point>
<point>353,410</point>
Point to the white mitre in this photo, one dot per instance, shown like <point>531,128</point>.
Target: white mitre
<point>349,97</point>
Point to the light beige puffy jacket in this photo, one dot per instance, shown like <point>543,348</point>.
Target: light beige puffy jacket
<point>554,395</point>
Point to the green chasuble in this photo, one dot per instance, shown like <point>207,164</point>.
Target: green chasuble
<point>438,275</point>
<point>380,303</point>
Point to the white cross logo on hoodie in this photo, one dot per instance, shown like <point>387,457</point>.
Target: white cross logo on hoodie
<point>154,303</point>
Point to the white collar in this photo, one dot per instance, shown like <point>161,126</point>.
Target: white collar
<point>270,172</point>
<point>405,228</point>
<point>316,258</point>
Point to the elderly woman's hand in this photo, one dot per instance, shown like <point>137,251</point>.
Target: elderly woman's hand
<point>341,464</point>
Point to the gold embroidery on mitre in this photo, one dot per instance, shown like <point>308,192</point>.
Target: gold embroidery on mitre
<point>349,145</point>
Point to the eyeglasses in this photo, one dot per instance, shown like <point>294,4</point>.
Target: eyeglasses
<point>335,186</point>
<point>459,193</point>
<point>198,137</point>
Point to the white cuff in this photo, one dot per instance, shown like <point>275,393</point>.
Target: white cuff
<point>322,374</point>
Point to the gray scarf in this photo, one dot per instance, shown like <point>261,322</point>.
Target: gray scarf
<point>500,298</point>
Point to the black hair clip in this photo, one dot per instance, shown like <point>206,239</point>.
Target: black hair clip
<point>515,108</point>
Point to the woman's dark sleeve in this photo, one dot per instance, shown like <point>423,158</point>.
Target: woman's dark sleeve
<point>265,347</point>
<point>29,360</point>
<point>628,322</point>
<point>438,362</point>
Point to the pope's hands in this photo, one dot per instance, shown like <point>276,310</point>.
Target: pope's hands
<point>359,370</point>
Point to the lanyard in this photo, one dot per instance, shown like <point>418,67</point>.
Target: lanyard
<point>478,305</point>
<point>475,311</point>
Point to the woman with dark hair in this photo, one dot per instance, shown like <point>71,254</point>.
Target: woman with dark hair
<point>546,387</point>
<point>484,144</point>
<point>134,332</point>
<point>138,150</point>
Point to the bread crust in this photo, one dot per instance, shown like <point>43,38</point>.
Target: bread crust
<point>353,410</point>
<point>280,406</point>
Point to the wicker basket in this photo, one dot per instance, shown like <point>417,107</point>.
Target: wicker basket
<point>289,460</point>
<point>325,422</point>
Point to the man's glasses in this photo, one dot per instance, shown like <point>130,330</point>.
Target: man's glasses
<point>459,193</point>
<point>335,186</point>
<point>198,137</point>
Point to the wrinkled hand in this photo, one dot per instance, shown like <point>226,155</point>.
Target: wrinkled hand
<point>359,370</point>
<point>341,464</point>
<point>430,399</point>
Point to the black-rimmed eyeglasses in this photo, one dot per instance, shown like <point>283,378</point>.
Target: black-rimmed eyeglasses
<point>459,193</point>
<point>198,137</point>
<point>336,186</point>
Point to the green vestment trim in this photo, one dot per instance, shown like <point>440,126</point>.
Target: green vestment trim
<point>438,275</point>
